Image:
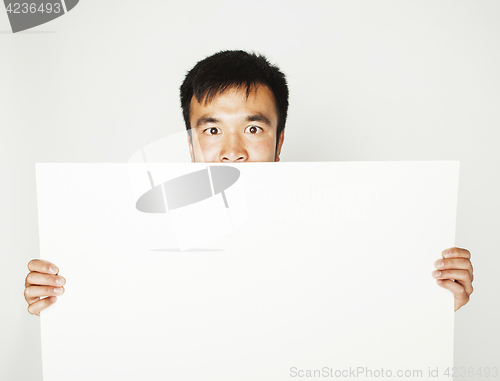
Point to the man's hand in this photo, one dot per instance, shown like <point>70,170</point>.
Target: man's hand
<point>42,286</point>
<point>454,272</point>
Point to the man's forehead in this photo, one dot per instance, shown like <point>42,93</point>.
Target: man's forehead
<point>245,91</point>
<point>258,105</point>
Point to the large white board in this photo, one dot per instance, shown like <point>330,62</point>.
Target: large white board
<point>314,269</point>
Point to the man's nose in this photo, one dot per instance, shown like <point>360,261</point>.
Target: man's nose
<point>233,150</point>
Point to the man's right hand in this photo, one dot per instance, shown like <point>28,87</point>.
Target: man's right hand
<point>42,286</point>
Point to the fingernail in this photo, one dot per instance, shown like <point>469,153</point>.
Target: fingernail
<point>436,273</point>
<point>439,264</point>
<point>53,270</point>
<point>60,281</point>
<point>58,291</point>
<point>447,254</point>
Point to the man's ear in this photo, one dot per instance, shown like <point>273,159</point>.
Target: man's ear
<point>280,143</point>
<point>190,144</point>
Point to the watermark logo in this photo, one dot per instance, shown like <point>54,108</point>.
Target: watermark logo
<point>188,189</point>
<point>203,202</point>
<point>27,15</point>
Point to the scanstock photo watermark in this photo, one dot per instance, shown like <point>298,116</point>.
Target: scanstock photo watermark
<point>366,372</point>
<point>27,15</point>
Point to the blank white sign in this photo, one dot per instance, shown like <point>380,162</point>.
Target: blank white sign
<point>324,271</point>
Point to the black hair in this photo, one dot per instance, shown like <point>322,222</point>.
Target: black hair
<point>234,69</point>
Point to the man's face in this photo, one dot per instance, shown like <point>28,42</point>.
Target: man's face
<point>236,128</point>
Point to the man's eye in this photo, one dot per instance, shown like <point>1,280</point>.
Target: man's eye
<point>253,129</point>
<point>212,131</point>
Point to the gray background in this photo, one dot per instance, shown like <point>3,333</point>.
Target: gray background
<point>384,80</point>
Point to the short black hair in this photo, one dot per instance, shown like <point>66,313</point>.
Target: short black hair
<point>234,69</point>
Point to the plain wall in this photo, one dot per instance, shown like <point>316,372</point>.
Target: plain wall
<point>369,80</point>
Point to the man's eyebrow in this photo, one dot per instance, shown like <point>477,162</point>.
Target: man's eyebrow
<point>258,118</point>
<point>205,120</point>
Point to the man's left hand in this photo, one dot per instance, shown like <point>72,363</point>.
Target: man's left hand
<point>454,272</point>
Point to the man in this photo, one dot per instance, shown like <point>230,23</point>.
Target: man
<point>238,111</point>
<point>236,103</point>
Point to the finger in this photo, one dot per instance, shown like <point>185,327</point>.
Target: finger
<point>31,295</point>
<point>456,252</point>
<point>455,263</point>
<point>34,292</point>
<point>461,276</point>
<point>42,304</point>
<point>42,267</point>
<point>461,296</point>
<point>40,279</point>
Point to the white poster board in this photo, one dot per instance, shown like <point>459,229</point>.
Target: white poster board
<point>315,269</point>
